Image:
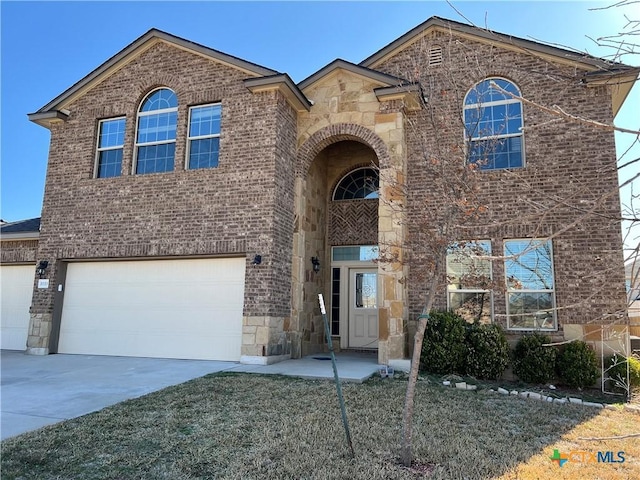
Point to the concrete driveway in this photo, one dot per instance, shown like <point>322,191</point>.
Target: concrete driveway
<point>42,390</point>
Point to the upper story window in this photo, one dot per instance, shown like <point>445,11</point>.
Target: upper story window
<point>358,184</point>
<point>110,146</point>
<point>493,125</point>
<point>156,135</point>
<point>204,136</point>
<point>530,285</point>
<point>469,280</point>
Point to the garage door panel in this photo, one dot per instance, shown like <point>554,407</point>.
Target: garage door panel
<point>16,287</point>
<point>160,308</point>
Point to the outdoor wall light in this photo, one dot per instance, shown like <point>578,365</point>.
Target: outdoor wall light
<point>42,268</point>
<point>316,264</point>
<point>257,260</point>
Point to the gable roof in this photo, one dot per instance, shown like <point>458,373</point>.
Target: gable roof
<point>597,70</point>
<point>21,229</point>
<point>338,64</point>
<point>54,110</point>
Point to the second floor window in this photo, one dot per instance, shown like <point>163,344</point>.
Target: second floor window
<point>110,146</point>
<point>204,136</point>
<point>156,134</point>
<point>493,125</point>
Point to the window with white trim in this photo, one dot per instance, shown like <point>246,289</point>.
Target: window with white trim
<point>156,132</point>
<point>493,125</point>
<point>203,143</point>
<point>110,147</point>
<point>469,280</point>
<point>530,284</point>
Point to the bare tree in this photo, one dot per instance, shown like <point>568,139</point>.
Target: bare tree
<point>456,211</point>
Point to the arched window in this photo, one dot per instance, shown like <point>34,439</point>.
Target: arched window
<point>359,183</point>
<point>493,125</point>
<point>156,134</point>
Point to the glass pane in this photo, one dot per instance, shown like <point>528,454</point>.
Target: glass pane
<point>361,183</point>
<point>496,153</point>
<point>157,128</point>
<point>111,133</point>
<point>531,310</point>
<point>355,254</point>
<point>366,290</point>
<point>472,306</point>
<point>110,163</point>
<point>335,302</point>
<point>205,121</point>
<point>155,158</point>
<point>204,153</point>
<point>465,266</point>
<point>160,99</point>
<point>528,265</point>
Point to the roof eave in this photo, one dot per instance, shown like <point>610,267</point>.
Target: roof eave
<point>140,45</point>
<point>550,52</point>
<point>20,236</point>
<point>48,118</point>
<point>338,64</point>
<point>621,82</point>
<point>410,95</point>
<point>283,83</point>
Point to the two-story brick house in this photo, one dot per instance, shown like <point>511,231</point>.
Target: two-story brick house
<point>196,203</point>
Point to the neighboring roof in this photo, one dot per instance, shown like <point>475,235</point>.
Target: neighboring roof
<point>22,229</point>
<point>338,64</point>
<point>597,70</point>
<point>54,110</point>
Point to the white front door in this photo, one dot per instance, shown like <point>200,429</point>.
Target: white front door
<point>363,308</point>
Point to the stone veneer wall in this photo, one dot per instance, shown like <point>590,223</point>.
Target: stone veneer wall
<point>345,108</point>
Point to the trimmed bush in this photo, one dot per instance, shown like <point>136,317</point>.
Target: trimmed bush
<point>487,351</point>
<point>443,348</point>
<point>616,375</point>
<point>577,365</point>
<point>532,362</point>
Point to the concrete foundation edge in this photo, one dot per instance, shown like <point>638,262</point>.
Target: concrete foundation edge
<point>259,360</point>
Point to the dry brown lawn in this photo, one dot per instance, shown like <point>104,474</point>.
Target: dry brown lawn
<point>253,427</point>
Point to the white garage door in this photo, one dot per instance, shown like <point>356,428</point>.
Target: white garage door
<point>156,308</point>
<point>16,285</point>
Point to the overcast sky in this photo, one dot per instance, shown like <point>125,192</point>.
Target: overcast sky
<point>48,46</point>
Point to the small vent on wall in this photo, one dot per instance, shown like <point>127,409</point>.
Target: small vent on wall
<point>435,56</point>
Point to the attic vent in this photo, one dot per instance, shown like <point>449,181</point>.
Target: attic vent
<point>435,56</point>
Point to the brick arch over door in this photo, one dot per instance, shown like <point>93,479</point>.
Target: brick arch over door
<point>338,133</point>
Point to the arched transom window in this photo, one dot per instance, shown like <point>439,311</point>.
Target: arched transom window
<point>358,184</point>
<point>493,125</point>
<point>156,135</point>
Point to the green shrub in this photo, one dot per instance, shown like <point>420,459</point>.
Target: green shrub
<point>487,351</point>
<point>443,348</point>
<point>532,362</point>
<point>577,365</point>
<point>616,373</point>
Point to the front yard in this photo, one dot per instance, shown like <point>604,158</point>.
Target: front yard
<point>248,426</point>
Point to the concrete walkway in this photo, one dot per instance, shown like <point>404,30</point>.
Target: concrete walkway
<point>42,390</point>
